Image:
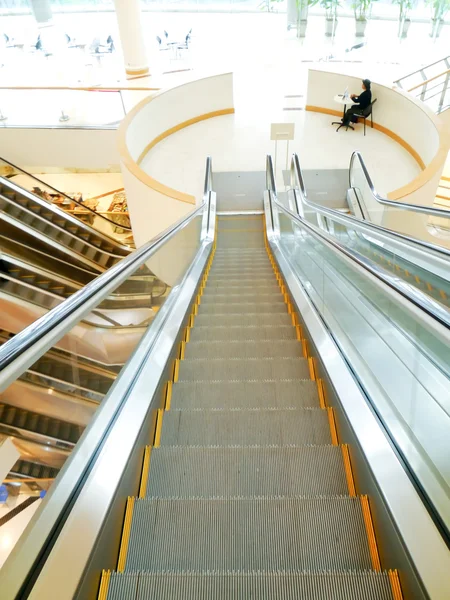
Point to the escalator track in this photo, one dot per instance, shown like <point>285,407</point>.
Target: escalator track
<point>246,490</point>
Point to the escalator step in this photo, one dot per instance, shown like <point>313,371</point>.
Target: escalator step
<point>232,296</point>
<point>260,427</point>
<point>296,393</point>
<point>248,223</point>
<point>248,261</point>
<point>246,472</point>
<point>262,319</point>
<point>242,277</point>
<point>248,535</point>
<point>242,308</point>
<point>244,349</point>
<point>231,333</point>
<point>234,286</point>
<point>249,369</point>
<point>239,269</point>
<point>367,585</point>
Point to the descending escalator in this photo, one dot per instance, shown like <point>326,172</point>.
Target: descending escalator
<point>254,444</point>
<point>419,264</point>
<point>247,492</point>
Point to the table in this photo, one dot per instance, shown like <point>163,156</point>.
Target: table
<point>339,98</point>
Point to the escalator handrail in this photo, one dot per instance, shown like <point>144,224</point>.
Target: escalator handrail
<point>49,207</point>
<point>427,305</point>
<point>99,287</point>
<point>32,549</point>
<point>96,214</point>
<point>297,183</point>
<point>427,210</point>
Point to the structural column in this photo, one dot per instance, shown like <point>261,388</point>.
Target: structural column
<point>131,37</point>
<point>42,12</point>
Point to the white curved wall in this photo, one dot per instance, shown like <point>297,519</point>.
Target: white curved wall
<point>409,122</point>
<point>154,206</point>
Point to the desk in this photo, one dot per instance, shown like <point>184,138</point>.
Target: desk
<point>339,98</point>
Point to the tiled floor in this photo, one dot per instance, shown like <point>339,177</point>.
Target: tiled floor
<point>240,143</point>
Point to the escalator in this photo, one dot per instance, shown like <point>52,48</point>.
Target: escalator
<point>254,445</point>
<point>247,490</point>
<point>78,241</point>
<point>418,264</point>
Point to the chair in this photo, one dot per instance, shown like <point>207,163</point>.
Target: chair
<point>185,45</point>
<point>160,43</point>
<point>367,112</point>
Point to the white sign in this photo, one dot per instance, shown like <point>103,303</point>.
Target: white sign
<point>282,131</point>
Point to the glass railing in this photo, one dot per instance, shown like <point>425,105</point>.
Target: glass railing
<point>413,219</point>
<point>398,351</point>
<point>52,390</point>
<point>430,84</point>
<point>95,107</point>
<point>415,264</point>
<point>107,213</point>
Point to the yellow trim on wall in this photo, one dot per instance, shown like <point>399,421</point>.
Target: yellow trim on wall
<point>385,130</point>
<point>428,171</point>
<point>162,136</point>
<point>133,166</point>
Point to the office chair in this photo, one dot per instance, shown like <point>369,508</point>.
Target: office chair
<point>367,112</point>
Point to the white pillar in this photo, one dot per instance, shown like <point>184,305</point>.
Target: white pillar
<point>42,12</point>
<point>131,37</point>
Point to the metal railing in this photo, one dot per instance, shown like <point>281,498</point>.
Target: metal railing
<point>433,89</point>
<point>427,210</point>
<point>69,199</point>
<point>106,427</point>
<point>417,298</point>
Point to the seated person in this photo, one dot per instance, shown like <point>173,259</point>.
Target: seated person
<point>361,102</point>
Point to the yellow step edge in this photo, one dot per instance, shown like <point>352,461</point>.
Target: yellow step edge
<point>321,390</point>
<point>187,334</point>
<point>104,585</point>
<point>125,535</point>
<point>145,471</point>
<point>305,348</point>
<point>176,370</point>
<point>182,349</point>
<point>299,333</point>
<point>348,471</point>
<point>373,548</point>
<point>191,321</point>
<point>168,398</point>
<point>294,319</point>
<point>395,585</point>
<point>158,428</point>
<point>332,423</point>
<point>429,287</point>
<point>312,370</point>
<point>443,294</point>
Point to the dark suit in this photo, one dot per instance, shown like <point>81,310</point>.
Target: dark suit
<point>362,101</point>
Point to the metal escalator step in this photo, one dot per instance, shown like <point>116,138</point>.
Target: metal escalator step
<point>296,393</point>
<point>257,427</point>
<point>242,369</point>
<point>241,277</point>
<point>361,585</point>
<point>248,535</point>
<point>241,308</point>
<point>225,261</point>
<point>234,253</point>
<point>231,333</point>
<point>242,242</point>
<point>246,472</point>
<point>272,319</point>
<point>244,349</point>
<point>248,223</point>
<point>236,286</point>
<point>233,295</point>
